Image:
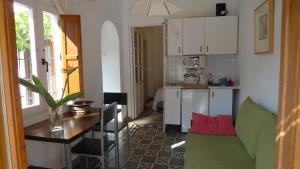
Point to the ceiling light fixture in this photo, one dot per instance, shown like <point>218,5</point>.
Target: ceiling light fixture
<point>154,8</point>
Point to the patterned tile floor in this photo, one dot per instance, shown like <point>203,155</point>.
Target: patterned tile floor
<point>148,146</point>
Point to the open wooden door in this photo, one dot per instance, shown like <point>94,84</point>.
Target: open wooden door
<point>10,94</point>
<point>3,150</point>
<point>72,51</point>
<point>288,138</point>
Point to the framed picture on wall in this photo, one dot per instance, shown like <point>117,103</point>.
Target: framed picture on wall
<point>264,28</point>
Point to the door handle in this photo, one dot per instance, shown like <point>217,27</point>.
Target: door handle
<point>179,49</point>
<point>206,48</point>
<point>44,62</point>
<point>201,49</point>
<point>177,93</point>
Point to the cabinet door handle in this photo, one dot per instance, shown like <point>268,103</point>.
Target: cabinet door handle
<point>177,93</point>
<point>201,49</point>
<point>179,49</point>
<point>206,48</point>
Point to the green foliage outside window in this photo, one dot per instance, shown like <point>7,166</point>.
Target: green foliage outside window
<point>23,29</point>
<point>47,26</point>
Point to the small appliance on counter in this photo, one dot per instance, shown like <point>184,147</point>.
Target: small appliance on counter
<point>221,9</point>
<point>210,79</point>
<point>190,79</point>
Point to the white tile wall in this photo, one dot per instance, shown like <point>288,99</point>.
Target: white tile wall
<point>175,70</point>
<point>223,66</point>
<point>219,65</point>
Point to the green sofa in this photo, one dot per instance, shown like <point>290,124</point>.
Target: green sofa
<point>252,148</point>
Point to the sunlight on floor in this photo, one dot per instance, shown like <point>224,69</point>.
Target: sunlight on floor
<point>178,144</point>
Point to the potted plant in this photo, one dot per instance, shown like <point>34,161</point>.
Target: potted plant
<point>56,116</point>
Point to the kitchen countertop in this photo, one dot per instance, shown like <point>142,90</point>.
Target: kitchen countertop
<point>199,86</point>
<point>224,87</point>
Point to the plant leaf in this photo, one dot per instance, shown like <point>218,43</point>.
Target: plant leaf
<point>72,70</point>
<point>68,98</point>
<point>44,92</point>
<point>29,85</point>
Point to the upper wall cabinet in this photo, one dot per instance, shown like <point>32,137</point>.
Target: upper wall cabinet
<point>193,36</point>
<point>174,37</point>
<point>221,35</point>
<point>203,35</point>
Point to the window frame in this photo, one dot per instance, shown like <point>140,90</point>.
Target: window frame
<point>38,8</point>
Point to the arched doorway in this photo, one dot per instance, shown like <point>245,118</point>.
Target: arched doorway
<point>110,54</point>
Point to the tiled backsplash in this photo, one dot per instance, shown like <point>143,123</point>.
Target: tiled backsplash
<point>174,70</point>
<point>223,66</point>
<point>219,65</point>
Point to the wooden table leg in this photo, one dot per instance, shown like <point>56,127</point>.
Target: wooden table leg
<point>68,156</point>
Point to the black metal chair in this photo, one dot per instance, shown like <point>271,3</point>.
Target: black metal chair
<point>120,99</point>
<point>100,147</point>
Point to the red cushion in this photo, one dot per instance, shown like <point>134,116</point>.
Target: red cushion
<point>219,125</point>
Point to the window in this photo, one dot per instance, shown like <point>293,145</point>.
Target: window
<point>38,50</point>
<point>26,52</point>
<point>52,54</point>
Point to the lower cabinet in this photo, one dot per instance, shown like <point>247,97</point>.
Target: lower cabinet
<point>172,106</point>
<point>220,102</point>
<point>193,101</point>
<point>180,103</point>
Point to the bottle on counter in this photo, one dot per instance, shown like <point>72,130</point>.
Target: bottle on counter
<point>230,82</point>
<point>210,79</point>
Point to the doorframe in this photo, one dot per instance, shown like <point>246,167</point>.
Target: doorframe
<point>131,64</point>
<point>10,85</point>
<point>288,133</point>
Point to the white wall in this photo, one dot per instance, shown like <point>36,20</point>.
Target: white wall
<point>259,73</point>
<point>189,8</point>
<point>110,54</point>
<point>93,14</point>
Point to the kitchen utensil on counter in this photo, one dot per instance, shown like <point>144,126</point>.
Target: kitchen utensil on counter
<point>202,78</point>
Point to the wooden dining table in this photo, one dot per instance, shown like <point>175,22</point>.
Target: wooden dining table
<point>75,126</point>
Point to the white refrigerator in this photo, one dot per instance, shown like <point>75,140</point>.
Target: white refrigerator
<point>193,100</point>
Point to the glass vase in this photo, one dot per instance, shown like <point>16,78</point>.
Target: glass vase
<point>56,120</point>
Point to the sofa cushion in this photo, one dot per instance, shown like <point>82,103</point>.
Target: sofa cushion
<point>265,158</point>
<point>216,152</point>
<point>248,125</point>
<point>218,125</point>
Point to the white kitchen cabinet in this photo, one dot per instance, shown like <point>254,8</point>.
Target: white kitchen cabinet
<point>193,101</point>
<point>172,106</point>
<point>193,36</point>
<point>220,102</point>
<point>221,35</point>
<point>174,37</point>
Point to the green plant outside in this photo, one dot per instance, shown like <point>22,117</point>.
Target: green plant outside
<point>23,29</point>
